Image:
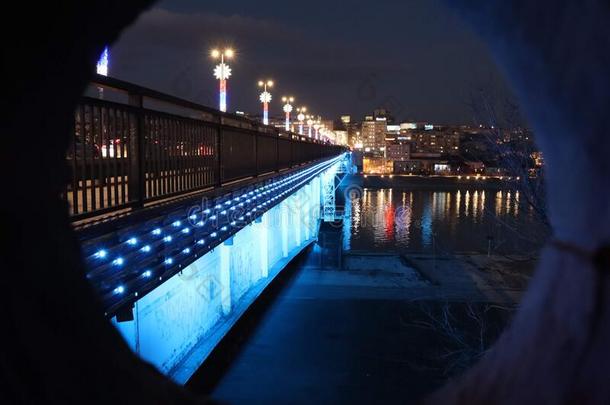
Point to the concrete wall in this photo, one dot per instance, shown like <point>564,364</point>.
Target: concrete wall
<point>177,325</point>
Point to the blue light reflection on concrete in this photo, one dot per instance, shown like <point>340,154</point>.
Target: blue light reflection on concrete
<point>177,325</point>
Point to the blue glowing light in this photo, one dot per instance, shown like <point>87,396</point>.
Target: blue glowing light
<point>167,239</point>
<point>169,261</point>
<point>207,211</point>
<point>100,254</point>
<point>177,223</point>
<point>213,234</point>
<point>119,290</point>
<point>156,231</point>
<point>147,274</point>
<point>223,213</point>
<point>224,228</point>
<point>193,217</point>
<point>145,249</point>
<point>186,230</point>
<point>200,223</point>
<point>119,261</point>
<point>201,242</point>
<point>132,241</point>
<point>103,62</point>
<point>186,251</point>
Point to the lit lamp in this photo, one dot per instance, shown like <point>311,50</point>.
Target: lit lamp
<point>102,68</point>
<point>265,98</point>
<point>102,64</point>
<point>301,118</point>
<point>316,127</point>
<point>288,109</point>
<point>323,133</point>
<point>309,124</point>
<point>222,72</point>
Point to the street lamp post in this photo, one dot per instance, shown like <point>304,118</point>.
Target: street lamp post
<point>222,72</point>
<point>301,118</point>
<point>102,68</point>
<point>288,109</point>
<point>309,124</point>
<point>265,98</point>
<point>102,63</point>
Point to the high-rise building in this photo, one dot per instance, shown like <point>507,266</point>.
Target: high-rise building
<point>373,134</point>
<point>353,129</point>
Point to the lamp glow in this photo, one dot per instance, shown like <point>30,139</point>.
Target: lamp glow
<point>309,124</point>
<point>222,72</point>
<point>288,109</point>
<point>102,64</point>
<point>265,98</point>
<point>301,118</point>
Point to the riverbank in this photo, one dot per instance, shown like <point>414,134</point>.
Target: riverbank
<point>436,183</point>
<point>365,328</point>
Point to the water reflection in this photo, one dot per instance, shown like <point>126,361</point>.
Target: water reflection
<point>455,221</point>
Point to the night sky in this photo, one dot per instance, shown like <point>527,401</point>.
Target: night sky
<point>414,57</point>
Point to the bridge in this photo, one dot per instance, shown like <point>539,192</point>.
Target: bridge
<point>185,214</point>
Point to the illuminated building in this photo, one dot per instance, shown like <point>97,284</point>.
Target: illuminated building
<point>445,141</point>
<point>398,151</point>
<point>373,134</point>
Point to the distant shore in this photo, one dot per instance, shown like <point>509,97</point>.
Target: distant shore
<point>437,183</point>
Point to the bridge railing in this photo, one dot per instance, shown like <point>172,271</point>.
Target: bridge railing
<point>132,146</point>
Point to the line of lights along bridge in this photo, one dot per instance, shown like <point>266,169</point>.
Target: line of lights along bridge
<point>222,72</point>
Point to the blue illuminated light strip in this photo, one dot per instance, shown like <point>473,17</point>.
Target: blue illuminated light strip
<point>127,269</point>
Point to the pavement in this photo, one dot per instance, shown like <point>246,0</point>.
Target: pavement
<point>363,328</point>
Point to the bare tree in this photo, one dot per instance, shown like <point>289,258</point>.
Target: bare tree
<point>511,145</point>
<point>467,330</point>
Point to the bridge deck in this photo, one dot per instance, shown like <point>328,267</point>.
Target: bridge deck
<point>128,257</point>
